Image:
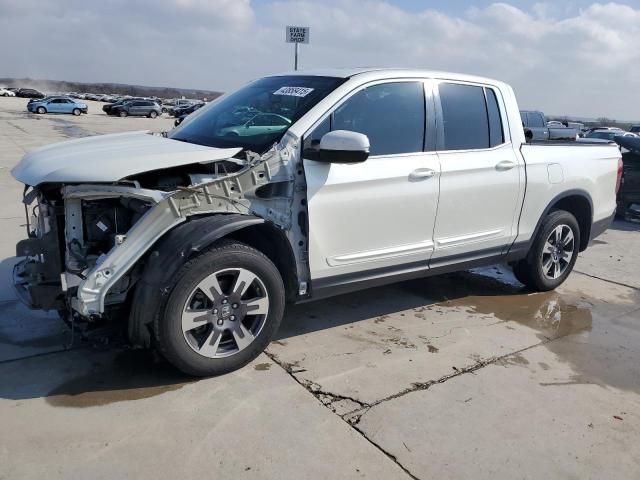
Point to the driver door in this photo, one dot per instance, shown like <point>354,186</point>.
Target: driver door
<point>379,213</point>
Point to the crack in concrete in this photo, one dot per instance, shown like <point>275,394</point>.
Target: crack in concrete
<point>353,418</point>
<point>287,367</point>
<point>36,355</point>
<point>606,280</point>
<point>428,339</point>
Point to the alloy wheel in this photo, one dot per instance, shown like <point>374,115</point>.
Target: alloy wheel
<point>558,252</point>
<point>225,312</point>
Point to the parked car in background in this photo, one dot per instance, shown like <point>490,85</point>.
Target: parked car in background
<point>604,134</point>
<point>261,124</point>
<point>6,92</point>
<point>185,112</point>
<point>109,106</point>
<point>137,108</point>
<point>629,193</point>
<point>29,93</point>
<point>174,105</point>
<point>196,240</point>
<point>57,105</point>
<point>537,128</point>
<point>635,129</point>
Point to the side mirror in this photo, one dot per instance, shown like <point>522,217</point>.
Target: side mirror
<point>343,146</point>
<point>528,135</point>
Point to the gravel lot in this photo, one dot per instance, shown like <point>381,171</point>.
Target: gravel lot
<point>459,376</point>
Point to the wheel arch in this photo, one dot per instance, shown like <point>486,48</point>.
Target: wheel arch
<point>175,248</point>
<point>579,204</point>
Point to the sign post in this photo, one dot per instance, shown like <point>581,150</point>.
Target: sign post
<point>297,35</point>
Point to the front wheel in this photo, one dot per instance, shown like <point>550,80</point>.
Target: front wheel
<point>222,312</point>
<point>553,254</point>
<point>123,113</point>
<point>41,110</point>
<point>76,112</point>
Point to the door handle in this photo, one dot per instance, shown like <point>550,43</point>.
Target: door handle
<point>505,165</point>
<point>422,174</point>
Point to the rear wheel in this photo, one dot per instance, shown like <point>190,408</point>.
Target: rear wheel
<point>223,310</point>
<point>76,112</point>
<point>553,254</point>
<point>41,110</point>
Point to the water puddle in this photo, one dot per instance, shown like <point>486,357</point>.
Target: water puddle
<point>595,329</point>
<point>132,375</point>
<point>69,129</point>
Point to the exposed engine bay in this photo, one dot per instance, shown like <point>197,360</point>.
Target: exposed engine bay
<point>86,242</point>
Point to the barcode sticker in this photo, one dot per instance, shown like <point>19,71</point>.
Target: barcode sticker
<point>294,91</point>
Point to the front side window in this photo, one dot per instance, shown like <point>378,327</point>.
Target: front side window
<point>278,102</point>
<point>391,115</point>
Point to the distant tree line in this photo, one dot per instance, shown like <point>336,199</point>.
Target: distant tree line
<point>598,122</point>
<point>51,86</point>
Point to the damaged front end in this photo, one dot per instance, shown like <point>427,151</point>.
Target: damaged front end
<point>37,277</point>
<point>87,242</point>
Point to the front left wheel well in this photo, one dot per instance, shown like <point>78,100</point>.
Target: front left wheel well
<point>273,243</point>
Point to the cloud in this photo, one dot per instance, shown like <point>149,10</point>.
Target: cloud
<point>559,58</point>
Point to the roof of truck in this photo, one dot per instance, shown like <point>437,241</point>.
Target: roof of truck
<point>385,72</point>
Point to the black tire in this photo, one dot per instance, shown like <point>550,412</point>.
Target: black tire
<point>41,110</point>
<point>122,113</point>
<point>529,270</point>
<point>169,336</point>
<point>76,112</point>
<point>153,114</point>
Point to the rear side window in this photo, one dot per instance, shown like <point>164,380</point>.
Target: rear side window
<point>392,115</point>
<point>496,135</point>
<point>464,115</point>
<point>470,116</point>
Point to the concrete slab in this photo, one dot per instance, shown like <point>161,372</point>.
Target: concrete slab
<point>98,415</point>
<point>615,255</point>
<point>529,416</point>
<point>373,344</point>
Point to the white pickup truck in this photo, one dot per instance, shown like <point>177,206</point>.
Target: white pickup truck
<point>297,187</point>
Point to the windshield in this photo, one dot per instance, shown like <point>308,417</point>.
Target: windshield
<point>256,116</point>
<point>602,135</point>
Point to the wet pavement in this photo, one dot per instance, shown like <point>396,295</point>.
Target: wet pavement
<point>465,375</point>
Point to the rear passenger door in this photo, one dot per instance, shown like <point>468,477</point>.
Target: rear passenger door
<point>379,213</point>
<point>481,175</point>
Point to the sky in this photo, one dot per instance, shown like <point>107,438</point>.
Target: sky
<point>564,57</point>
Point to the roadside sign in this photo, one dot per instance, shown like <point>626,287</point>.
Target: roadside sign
<point>297,34</point>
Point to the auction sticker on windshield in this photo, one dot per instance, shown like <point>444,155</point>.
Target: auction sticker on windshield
<point>294,91</point>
